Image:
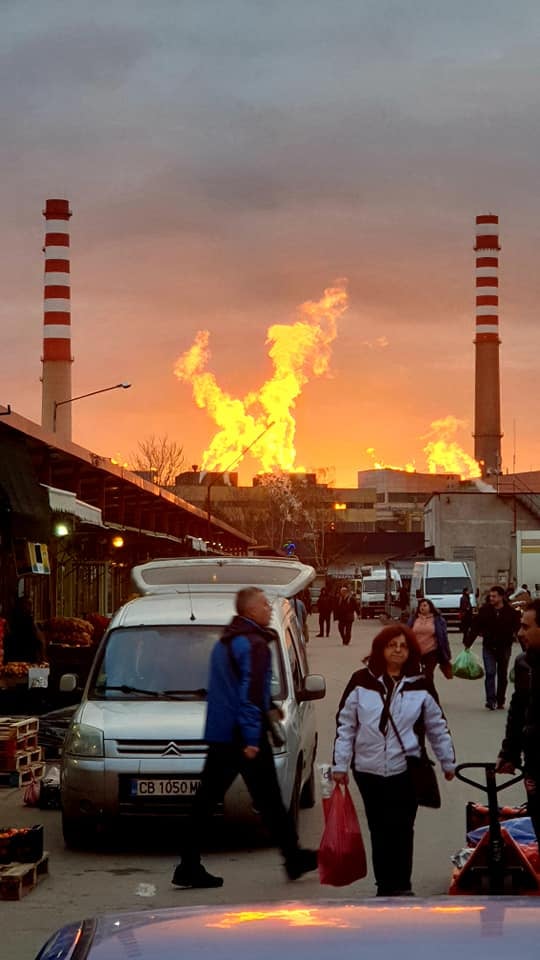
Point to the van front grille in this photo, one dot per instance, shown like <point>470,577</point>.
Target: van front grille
<point>159,748</point>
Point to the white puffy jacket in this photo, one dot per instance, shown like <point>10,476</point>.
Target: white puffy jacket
<point>360,741</point>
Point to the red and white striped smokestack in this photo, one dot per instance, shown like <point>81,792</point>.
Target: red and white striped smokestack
<point>487,417</point>
<point>56,380</point>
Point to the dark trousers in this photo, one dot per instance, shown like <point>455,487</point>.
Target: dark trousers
<point>345,628</point>
<point>496,669</point>
<point>390,804</point>
<point>429,662</point>
<point>324,624</point>
<point>224,762</point>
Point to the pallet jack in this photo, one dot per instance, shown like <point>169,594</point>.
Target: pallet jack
<point>497,865</point>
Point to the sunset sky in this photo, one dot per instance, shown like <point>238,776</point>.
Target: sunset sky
<point>228,160</point>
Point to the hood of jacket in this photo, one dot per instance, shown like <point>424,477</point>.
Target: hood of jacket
<point>242,626</point>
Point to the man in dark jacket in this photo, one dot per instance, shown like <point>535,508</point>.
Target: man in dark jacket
<point>344,611</point>
<point>498,624</point>
<point>522,735</point>
<point>237,734</point>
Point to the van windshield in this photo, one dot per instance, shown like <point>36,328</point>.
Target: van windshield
<point>452,585</point>
<point>373,586</point>
<point>145,662</point>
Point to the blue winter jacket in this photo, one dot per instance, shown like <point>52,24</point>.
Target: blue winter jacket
<point>239,684</point>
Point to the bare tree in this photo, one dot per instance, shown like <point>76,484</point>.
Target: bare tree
<point>160,457</point>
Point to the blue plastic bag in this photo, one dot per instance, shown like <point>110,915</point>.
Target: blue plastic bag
<point>520,829</point>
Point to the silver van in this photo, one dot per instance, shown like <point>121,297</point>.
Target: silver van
<point>135,745</point>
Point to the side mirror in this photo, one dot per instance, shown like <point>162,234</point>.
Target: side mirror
<point>314,688</point>
<point>68,683</point>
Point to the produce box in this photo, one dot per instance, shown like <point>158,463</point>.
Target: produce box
<point>21,844</point>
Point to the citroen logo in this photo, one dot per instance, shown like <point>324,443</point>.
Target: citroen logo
<point>171,750</point>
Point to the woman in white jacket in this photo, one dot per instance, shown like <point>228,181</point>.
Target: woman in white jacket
<point>387,702</point>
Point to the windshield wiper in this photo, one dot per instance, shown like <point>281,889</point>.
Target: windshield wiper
<point>199,694</point>
<point>124,688</point>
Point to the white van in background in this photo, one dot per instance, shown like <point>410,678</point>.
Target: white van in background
<point>374,590</point>
<point>442,582</point>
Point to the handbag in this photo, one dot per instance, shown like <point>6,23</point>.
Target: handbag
<point>422,773</point>
<point>342,856</point>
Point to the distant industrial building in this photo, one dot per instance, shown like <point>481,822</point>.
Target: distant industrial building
<point>401,496</point>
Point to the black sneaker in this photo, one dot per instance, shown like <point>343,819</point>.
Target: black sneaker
<point>195,877</point>
<point>303,861</point>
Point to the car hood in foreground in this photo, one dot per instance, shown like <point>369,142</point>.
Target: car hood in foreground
<point>446,928</point>
<point>146,719</point>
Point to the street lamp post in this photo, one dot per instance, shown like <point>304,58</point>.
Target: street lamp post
<point>238,457</point>
<point>60,403</point>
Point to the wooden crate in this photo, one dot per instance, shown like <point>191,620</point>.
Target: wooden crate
<point>18,879</point>
<point>20,760</point>
<point>17,735</point>
<point>21,778</point>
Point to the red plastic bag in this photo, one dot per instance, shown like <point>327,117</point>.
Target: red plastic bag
<point>32,792</point>
<point>342,857</point>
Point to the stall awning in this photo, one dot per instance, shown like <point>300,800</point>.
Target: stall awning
<point>21,495</point>
<point>64,501</point>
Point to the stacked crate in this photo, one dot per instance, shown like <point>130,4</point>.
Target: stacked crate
<point>20,757</point>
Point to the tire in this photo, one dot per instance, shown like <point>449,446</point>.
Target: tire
<point>77,834</point>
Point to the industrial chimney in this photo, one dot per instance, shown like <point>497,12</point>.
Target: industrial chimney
<point>57,360</point>
<point>487,410</point>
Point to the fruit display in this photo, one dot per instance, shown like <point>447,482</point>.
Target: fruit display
<point>99,623</point>
<point>18,669</point>
<point>21,844</point>
<point>69,632</point>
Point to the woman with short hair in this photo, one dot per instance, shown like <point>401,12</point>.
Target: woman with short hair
<point>385,712</point>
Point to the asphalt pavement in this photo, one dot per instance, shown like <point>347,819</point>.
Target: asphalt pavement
<point>136,873</point>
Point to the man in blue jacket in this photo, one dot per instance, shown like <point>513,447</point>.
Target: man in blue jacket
<point>237,735</point>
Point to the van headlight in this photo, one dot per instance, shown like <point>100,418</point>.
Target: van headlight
<point>84,741</point>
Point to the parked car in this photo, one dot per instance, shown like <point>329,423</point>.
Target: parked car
<point>135,744</point>
<point>493,928</point>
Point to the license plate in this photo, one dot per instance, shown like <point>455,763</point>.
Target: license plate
<point>164,788</point>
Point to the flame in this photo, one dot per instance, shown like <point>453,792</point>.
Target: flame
<point>444,453</point>
<point>381,465</point>
<point>262,420</point>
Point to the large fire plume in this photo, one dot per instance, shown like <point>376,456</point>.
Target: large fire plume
<point>442,452</point>
<point>263,420</point>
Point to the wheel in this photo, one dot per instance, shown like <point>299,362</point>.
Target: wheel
<point>77,834</point>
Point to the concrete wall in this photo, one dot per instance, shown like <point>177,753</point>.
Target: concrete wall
<point>479,528</point>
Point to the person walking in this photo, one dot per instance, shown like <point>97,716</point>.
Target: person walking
<point>237,723</point>
<point>498,623</point>
<point>522,734</point>
<point>465,611</point>
<point>344,611</point>
<point>384,714</point>
<point>325,605</point>
<point>431,633</point>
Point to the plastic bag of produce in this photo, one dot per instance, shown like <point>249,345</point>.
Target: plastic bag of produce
<point>467,666</point>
